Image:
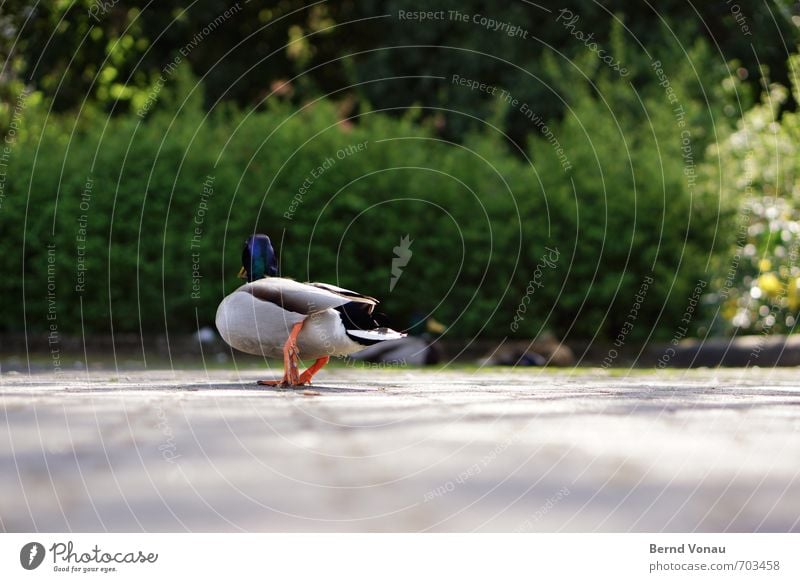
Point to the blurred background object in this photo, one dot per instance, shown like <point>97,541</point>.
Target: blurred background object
<point>419,348</point>
<point>544,350</point>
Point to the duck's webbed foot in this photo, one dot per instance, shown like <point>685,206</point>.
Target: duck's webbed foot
<point>291,375</point>
<point>305,377</point>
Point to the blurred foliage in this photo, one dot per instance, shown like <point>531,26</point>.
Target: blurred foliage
<point>635,211</point>
<point>363,53</point>
<point>129,110</point>
<point>757,168</point>
<point>480,218</point>
<point>145,202</point>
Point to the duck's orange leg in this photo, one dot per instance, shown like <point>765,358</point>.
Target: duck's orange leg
<point>291,377</point>
<point>305,377</point>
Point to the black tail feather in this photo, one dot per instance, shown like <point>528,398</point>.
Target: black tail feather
<point>357,316</point>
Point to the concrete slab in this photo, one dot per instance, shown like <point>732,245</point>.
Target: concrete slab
<point>402,450</point>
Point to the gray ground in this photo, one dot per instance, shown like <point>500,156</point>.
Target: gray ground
<point>408,450</point>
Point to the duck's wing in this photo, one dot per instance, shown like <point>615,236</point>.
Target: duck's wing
<point>303,298</point>
<point>370,302</point>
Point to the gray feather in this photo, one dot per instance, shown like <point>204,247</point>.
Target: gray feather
<point>293,296</point>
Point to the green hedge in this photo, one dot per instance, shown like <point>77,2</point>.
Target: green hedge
<point>481,217</point>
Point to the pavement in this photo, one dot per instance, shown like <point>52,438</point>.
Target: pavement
<point>402,450</point>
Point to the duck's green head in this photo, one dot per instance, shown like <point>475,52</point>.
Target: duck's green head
<point>258,258</point>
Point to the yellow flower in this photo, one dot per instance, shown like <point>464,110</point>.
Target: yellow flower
<point>764,265</point>
<point>729,309</point>
<point>769,283</point>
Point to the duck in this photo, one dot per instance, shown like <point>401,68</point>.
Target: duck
<point>278,317</point>
<point>421,348</point>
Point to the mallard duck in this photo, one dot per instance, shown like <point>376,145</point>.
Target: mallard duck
<point>420,348</point>
<point>272,316</point>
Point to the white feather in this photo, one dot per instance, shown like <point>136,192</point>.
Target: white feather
<point>380,334</point>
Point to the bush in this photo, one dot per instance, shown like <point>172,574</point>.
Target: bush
<point>758,277</point>
<point>636,232</point>
<point>134,190</point>
<point>135,210</point>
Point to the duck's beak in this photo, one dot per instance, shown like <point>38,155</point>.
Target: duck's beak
<point>242,273</point>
